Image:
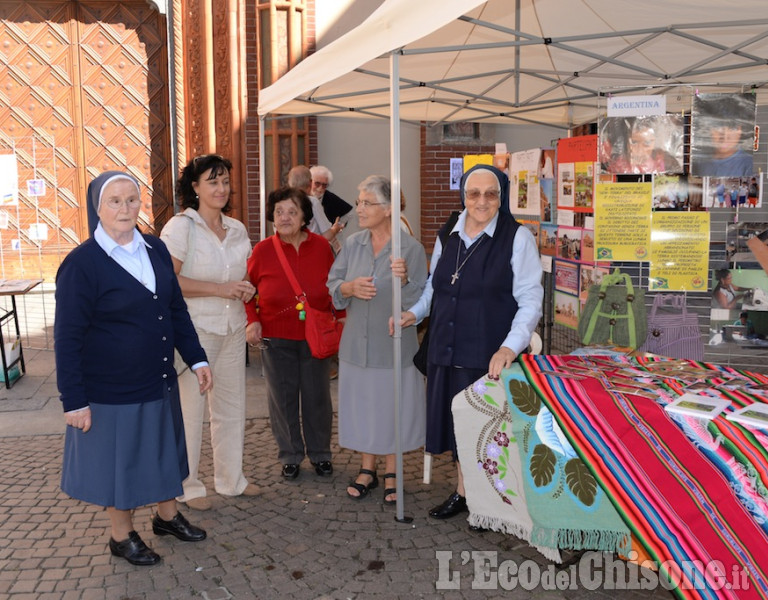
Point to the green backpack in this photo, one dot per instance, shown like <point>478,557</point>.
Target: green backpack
<point>614,313</point>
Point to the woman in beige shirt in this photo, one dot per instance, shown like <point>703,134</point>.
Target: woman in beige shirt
<point>209,252</point>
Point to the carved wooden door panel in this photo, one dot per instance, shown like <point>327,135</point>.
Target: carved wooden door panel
<point>83,88</point>
<point>125,110</point>
<point>38,121</point>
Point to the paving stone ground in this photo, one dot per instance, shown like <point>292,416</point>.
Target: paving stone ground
<point>303,539</point>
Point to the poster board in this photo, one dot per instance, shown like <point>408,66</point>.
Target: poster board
<point>623,221</point>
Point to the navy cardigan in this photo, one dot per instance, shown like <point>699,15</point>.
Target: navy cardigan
<point>114,339</point>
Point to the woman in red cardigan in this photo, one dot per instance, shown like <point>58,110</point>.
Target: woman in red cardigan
<point>296,381</point>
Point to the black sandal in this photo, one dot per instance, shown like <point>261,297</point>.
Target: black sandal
<point>361,488</point>
<point>389,491</point>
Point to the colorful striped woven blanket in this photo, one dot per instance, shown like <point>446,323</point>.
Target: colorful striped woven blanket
<point>692,491</point>
<point>522,477</point>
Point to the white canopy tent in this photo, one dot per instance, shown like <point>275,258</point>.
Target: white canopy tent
<point>548,62</point>
<point>540,61</point>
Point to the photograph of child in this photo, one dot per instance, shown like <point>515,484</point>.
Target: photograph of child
<point>722,135</point>
<point>641,145</point>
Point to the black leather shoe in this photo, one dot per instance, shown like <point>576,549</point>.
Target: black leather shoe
<point>324,468</point>
<point>134,550</point>
<point>290,471</point>
<point>178,527</point>
<point>450,508</point>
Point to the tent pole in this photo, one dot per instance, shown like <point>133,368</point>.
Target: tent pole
<point>394,149</point>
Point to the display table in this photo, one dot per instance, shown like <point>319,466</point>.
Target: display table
<point>578,452</point>
<point>13,288</point>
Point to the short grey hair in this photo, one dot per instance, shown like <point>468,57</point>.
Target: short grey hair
<point>323,171</point>
<point>300,177</point>
<point>379,186</point>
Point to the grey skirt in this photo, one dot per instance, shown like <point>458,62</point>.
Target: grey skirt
<point>367,409</point>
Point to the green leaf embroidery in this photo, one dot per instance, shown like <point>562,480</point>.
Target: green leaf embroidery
<point>543,463</point>
<point>490,400</point>
<point>524,397</point>
<point>581,482</point>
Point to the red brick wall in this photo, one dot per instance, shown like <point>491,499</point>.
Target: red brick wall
<point>251,127</point>
<point>437,199</point>
<point>311,42</point>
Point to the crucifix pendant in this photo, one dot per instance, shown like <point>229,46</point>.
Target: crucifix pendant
<point>454,277</point>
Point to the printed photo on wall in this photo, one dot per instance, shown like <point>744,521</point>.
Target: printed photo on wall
<point>532,226</point>
<point>587,246</point>
<point>569,243</point>
<point>565,184</point>
<point>548,239</point>
<point>652,144</point>
<point>589,275</point>
<point>566,309</point>
<point>737,236</point>
<point>567,277</point>
<point>739,316</point>
<point>547,164</point>
<point>722,135</point>
<point>524,196</point>
<point>585,185</point>
<point>733,192</point>
<point>545,192</point>
<point>677,192</point>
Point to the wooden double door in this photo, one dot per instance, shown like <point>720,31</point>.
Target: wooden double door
<point>83,89</point>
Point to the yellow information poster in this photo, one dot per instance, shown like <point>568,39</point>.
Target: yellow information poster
<point>470,160</point>
<point>623,221</point>
<point>679,251</point>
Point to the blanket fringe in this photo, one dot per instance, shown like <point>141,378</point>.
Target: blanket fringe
<point>549,543</point>
<point>499,524</point>
<point>516,529</point>
<point>602,540</point>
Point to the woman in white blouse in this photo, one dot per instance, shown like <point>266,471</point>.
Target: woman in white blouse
<point>209,252</point>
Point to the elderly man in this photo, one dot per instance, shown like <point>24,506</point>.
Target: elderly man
<point>300,177</point>
<point>334,207</point>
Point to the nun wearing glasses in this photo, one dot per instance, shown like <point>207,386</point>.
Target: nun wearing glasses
<point>119,315</point>
<point>485,295</point>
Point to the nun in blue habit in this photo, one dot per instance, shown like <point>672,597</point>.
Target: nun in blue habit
<point>119,316</point>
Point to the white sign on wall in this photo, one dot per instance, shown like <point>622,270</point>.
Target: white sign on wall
<point>636,106</point>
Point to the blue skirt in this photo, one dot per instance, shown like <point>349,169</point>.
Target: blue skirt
<point>443,383</point>
<point>133,455</point>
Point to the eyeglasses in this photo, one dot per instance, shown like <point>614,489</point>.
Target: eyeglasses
<point>365,204</point>
<point>117,204</point>
<point>322,184</point>
<point>474,195</point>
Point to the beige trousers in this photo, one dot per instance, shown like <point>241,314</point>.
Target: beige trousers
<point>226,405</point>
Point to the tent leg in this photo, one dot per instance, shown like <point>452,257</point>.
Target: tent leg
<point>427,468</point>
